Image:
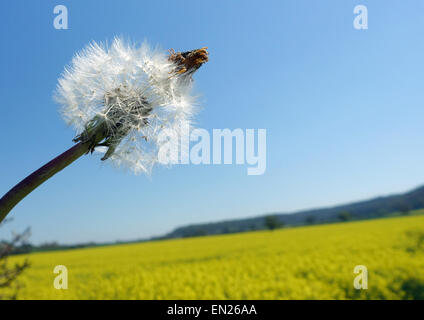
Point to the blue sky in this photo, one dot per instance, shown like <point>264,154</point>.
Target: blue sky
<point>343,110</point>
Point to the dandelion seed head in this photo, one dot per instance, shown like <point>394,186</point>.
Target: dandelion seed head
<point>120,98</point>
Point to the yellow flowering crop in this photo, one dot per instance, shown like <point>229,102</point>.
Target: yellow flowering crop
<point>315,262</point>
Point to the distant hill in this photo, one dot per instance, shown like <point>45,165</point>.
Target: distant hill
<point>368,209</point>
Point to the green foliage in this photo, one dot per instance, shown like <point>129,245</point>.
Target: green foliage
<point>272,222</point>
<point>345,216</point>
<point>310,220</point>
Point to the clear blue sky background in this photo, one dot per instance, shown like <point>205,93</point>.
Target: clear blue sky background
<point>343,110</point>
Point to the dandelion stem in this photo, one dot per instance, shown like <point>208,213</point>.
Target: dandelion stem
<point>27,185</point>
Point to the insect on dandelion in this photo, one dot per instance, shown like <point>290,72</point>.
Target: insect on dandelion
<point>119,98</point>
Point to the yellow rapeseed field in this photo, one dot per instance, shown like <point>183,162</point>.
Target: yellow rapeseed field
<point>315,262</point>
